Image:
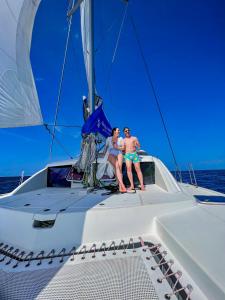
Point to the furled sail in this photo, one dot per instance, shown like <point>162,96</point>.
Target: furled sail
<point>84,11</point>
<point>19,105</point>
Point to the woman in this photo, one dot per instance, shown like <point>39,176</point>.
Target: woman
<point>114,147</point>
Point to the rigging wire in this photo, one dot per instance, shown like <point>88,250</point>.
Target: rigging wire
<point>116,46</point>
<point>57,140</point>
<point>61,82</point>
<point>105,35</point>
<point>66,126</point>
<point>150,81</point>
<point>119,34</point>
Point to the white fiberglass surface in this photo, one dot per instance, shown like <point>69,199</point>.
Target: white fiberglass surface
<point>193,190</point>
<point>196,237</point>
<point>54,199</point>
<point>43,198</point>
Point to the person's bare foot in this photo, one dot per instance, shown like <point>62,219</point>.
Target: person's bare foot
<point>131,190</point>
<point>142,187</point>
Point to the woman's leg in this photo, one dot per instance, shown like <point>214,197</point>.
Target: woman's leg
<point>113,160</point>
<point>118,173</point>
<point>120,166</point>
<point>120,163</point>
<point>120,177</point>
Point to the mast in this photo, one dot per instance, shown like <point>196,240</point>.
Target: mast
<point>91,94</point>
<point>88,46</point>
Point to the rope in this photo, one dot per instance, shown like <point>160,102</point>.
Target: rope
<point>60,84</point>
<point>87,157</point>
<point>150,81</point>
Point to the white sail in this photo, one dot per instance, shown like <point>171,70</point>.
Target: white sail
<point>19,105</point>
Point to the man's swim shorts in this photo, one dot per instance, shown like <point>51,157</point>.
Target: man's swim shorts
<point>132,157</point>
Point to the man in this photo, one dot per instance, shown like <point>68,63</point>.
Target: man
<point>130,144</point>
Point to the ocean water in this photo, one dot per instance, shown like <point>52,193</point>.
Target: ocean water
<point>211,179</point>
<point>8,184</point>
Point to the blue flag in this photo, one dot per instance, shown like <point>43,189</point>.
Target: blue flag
<point>97,122</point>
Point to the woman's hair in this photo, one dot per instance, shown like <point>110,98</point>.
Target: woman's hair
<point>113,130</point>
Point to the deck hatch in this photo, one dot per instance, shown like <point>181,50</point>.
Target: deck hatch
<point>43,224</point>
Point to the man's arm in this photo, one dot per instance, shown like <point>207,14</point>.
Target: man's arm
<point>137,144</point>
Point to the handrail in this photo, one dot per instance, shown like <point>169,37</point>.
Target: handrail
<point>192,175</point>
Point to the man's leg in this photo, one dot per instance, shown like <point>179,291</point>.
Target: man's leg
<point>129,173</point>
<point>139,174</point>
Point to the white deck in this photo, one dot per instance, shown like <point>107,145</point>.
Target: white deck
<point>196,237</point>
<point>95,216</point>
<point>77,199</point>
<point>192,232</point>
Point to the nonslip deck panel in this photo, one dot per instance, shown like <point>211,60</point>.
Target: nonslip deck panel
<point>120,278</point>
<point>185,234</point>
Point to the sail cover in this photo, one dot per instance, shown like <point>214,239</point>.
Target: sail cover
<point>19,105</point>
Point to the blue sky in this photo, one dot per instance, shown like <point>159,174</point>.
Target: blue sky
<point>184,45</point>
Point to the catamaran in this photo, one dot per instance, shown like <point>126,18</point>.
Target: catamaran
<point>65,233</point>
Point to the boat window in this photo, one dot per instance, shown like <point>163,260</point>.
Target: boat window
<point>57,176</point>
<point>62,176</point>
<point>148,171</point>
<point>74,175</point>
<point>43,224</point>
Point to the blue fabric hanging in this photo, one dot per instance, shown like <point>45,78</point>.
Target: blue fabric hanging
<point>97,122</point>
